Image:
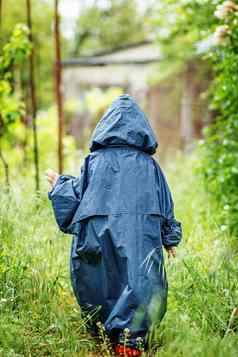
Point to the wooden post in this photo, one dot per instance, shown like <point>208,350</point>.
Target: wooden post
<point>1,15</point>
<point>33,97</point>
<point>2,158</point>
<point>186,117</point>
<point>58,89</point>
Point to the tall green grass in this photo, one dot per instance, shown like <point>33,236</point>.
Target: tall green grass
<point>40,317</point>
<point>203,292</point>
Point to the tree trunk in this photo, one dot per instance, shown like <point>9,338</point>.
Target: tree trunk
<point>58,87</point>
<point>33,97</point>
<point>0,15</point>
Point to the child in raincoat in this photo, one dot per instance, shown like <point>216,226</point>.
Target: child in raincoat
<point>120,213</point>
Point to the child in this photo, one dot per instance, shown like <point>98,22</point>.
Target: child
<point>120,213</point>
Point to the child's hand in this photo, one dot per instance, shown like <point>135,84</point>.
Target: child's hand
<point>171,252</point>
<point>51,177</point>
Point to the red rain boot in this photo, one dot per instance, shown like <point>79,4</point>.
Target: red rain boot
<point>126,351</point>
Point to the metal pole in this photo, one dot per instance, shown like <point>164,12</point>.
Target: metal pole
<point>58,87</point>
<point>33,97</point>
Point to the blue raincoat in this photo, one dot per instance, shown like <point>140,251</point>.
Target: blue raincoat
<point>120,213</point>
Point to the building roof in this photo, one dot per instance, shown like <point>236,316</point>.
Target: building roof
<point>140,53</point>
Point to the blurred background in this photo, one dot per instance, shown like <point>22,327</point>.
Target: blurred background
<point>106,48</point>
<point>62,63</point>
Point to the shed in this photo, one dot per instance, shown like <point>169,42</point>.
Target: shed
<point>173,106</point>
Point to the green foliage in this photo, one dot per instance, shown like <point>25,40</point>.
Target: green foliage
<point>93,105</point>
<point>13,54</point>
<point>48,143</point>
<point>180,27</point>
<point>12,107</point>
<point>97,101</point>
<point>17,49</point>
<point>117,24</point>
<point>202,280</point>
<point>221,144</point>
<point>20,157</point>
<point>14,12</point>
<point>39,315</point>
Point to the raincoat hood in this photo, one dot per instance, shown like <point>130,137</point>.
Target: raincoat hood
<point>124,124</point>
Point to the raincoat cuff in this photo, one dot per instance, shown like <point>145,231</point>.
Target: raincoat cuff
<point>60,179</point>
<point>172,233</point>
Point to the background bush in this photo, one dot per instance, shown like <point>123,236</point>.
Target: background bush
<point>220,165</point>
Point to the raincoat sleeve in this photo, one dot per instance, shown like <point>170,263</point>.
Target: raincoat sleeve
<point>171,229</point>
<point>65,198</point>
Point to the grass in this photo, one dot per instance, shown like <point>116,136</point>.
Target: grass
<point>40,317</point>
